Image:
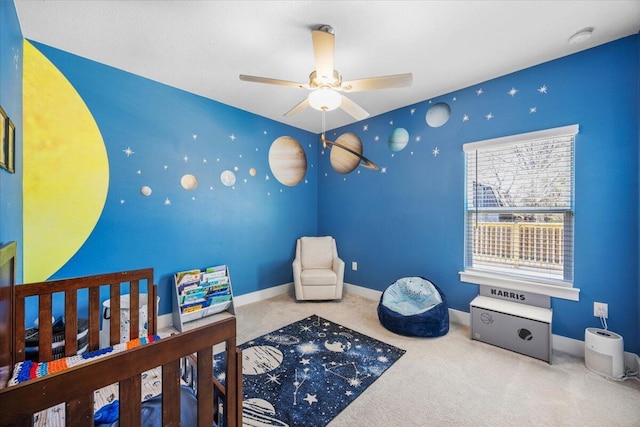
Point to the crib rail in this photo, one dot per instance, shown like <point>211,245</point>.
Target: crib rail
<point>75,386</point>
<point>69,288</point>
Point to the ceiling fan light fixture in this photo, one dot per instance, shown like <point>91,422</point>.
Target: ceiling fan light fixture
<point>325,99</point>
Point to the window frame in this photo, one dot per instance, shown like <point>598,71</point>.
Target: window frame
<point>527,283</point>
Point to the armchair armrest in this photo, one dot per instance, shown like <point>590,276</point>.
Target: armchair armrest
<point>338,268</point>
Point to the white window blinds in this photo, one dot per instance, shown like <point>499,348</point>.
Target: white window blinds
<point>519,205</point>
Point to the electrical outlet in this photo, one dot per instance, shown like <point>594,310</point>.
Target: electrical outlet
<point>354,266</point>
<point>600,309</point>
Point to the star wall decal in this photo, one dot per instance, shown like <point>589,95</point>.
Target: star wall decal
<point>465,118</point>
<point>479,92</point>
<point>513,92</point>
<point>436,151</point>
<point>232,137</point>
<point>128,151</point>
<point>489,116</point>
<point>533,110</point>
<point>542,89</point>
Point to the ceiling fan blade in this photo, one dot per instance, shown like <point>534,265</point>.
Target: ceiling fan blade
<point>323,50</point>
<point>353,109</point>
<point>382,82</point>
<point>267,80</point>
<point>298,108</point>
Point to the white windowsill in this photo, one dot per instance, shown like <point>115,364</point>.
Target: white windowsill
<point>489,279</point>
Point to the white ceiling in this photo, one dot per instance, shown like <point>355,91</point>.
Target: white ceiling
<point>203,46</point>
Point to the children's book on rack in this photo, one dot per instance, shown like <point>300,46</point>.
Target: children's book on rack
<point>201,293</point>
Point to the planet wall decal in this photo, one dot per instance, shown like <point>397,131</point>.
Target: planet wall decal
<point>438,114</point>
<point>287,160</point>
<point>253,172</point>
<point>344,161</point>
<point>398,139</point>
<point>145,190</point>
<point>346,153</point>
<point>228,178</point>
<point>189,182</point>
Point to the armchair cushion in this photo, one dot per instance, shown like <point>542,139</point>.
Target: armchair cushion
<point>316,252</point>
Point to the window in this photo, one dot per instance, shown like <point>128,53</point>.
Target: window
<point>519,211</point>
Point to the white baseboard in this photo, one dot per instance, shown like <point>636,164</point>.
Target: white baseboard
<point>560,343</point>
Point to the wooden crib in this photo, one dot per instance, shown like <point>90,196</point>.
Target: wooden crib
<point>75,386</point>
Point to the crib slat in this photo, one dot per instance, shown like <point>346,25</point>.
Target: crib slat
<point>130,405</point>
<point>134,295</point>
<point>231,390</point>
<point>238,381</point>
<point>80,411</point>
<point>171,393</point>
<point>114,314</point>
<point>45,329</point>
<point>152,307</point>
<point>205,391</point>
<point>71,323</point>
<point>18,324</point>
<point>95,314</point>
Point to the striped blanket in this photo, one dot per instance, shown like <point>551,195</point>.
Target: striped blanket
<point>27,370</point>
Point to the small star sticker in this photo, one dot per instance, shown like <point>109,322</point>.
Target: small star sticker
<point>165,167</point>
<point>413,110</point>
<point>436,151</point>
<point>185,158</point>
<point>167,202</point>
<point>533,109</point>
<point>418,138</point>
<point>139,172</point>
<point>513,92</point>
<point>489,116</point>
<point>391,122</point>
<point>479,91</point>
<point>376,138</point>
<point>122,201</point>
<point>365,128</point>
<point>465,118</point>
<point>232,137</point>
<point>542,89</point>
<point>195,136</point>
<point>383,169</point>
<point>128,151</point>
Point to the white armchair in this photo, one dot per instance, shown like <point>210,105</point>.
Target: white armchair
<point>318,272</point>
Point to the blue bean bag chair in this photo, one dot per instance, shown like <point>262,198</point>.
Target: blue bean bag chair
<point>414,307</point>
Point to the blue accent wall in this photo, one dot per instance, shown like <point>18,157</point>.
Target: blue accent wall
<point>11,102</point>
<point>154,134</point>
<point>407,219</point>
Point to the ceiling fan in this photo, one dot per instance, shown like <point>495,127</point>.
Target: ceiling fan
<point>325,83</point>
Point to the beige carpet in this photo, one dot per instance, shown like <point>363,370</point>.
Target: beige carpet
<point>455,381</point>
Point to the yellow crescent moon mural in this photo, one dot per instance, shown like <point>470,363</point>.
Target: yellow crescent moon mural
<point>66,169</point>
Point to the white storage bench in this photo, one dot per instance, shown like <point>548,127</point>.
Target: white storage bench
<point>514,326</point>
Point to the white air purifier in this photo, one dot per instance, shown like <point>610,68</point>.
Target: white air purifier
<point>604,352</point>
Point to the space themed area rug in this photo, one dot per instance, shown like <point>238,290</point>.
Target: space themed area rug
<point>306,373</point>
